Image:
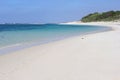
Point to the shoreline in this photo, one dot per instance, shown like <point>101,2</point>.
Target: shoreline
<point>21,46</point>
<point>89,57</point>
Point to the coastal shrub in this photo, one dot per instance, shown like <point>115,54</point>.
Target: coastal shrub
<point>105,16</point>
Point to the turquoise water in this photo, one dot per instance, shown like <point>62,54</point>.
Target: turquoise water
<point>29,35</point>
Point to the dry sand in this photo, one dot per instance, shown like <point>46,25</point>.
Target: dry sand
<point>89,57</point>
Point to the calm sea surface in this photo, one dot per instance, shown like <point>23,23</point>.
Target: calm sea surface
<point>12,36</point>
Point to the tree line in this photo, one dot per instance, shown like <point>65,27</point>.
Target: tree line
<point>105,16</point>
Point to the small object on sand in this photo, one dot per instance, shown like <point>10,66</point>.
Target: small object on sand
<point>82,38</point>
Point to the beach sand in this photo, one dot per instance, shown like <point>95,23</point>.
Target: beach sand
<point>89,57</point>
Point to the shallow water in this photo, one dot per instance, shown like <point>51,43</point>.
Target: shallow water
<point>29,35</point>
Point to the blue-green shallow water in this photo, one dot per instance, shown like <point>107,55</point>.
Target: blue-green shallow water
<point>16,37</point>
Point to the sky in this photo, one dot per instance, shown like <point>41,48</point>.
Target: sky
<point>51,11</point>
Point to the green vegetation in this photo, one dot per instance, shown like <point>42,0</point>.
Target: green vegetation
<point>105,16</point>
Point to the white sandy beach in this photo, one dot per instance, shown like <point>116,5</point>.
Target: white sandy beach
<point>89,57</point>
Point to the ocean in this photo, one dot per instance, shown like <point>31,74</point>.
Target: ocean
<point>19,36</point>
